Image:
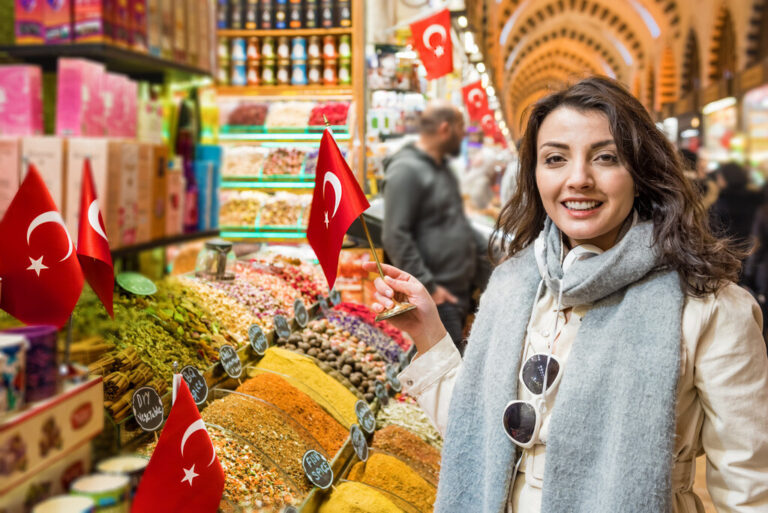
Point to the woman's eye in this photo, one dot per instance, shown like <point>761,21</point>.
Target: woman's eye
<point>608,158</point>
<point>554,159</point>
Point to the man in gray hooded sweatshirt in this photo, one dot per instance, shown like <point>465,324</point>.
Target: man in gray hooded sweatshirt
<point>425,230</point>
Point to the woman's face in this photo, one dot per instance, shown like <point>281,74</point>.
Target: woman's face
<point>585,189</point>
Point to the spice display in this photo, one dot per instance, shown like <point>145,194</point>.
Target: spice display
<point>412,418</point>
<point>299,276</point>
<point>367,315</point>
<point>257,300</point>
<point>250,482</point>
<point>342,352</point>
<point>263,277</point>
<point>363,331</point>
<point>321,425</point>
<point>317,384</point>
<point>284,209</point>
<point>352,497</point>
<point>400,442</point>
<point>248,114</point>
<point>394,476</point>
<point>284,161</point>
<point>233,315</point>
<point>266,428</point>
<point>240,208</point>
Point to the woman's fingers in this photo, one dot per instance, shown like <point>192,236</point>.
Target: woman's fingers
<point>410,288</point>
<point>389,270</point>
<point>383,288</point>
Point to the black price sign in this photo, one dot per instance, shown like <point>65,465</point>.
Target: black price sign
<point>290,509</point>
<point>381,393</point>
<point>230,361</point>
<point>196,383</point>
<point>147,408</point>
<point>258,340</point>
<point>358,442</point>
<point>318,469</point>
<point>392,377</point>
<point>365,416</point>
<point>335,297</point>
<point>300,313</point>
<point>323,303</point>
<point>281,327</point>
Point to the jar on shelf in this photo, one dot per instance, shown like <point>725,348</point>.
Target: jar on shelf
<point>235,15</point>
<point>283,47</point>
<point>239,77</point>
<point>329,47</point>
<point>299,72</point>
<point>253,52</point>
<point>345,71</point>
<point>310,14</point>
<point>295,14</point>
<point>343,13</point>
<point>314,50</point>
<point>238,49</point>
<point>345,47</point>
<point>253,76</point>
<point>268,47</point>
<point>299,48</point>
<point>252,15</point>
<point>281,14</point>
<point>223,49</point>
<point>222,14</point>
<point>326,14</point>
<point>315,72</point>
<point>268,71</point>
<point>283,72</point>
<point>330,77</point>
<point>267,14</point>
<point>222,73</point>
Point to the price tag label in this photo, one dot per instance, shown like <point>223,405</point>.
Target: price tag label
<point>300,313</point>
<point>392,377</point>
<point>230,361</point>
<point>282,328</point>
<point>196,383</point>
<point>323,304</point>
<point>147,408</point>
<point>358,442</point>
<point>381,393</point>
<point>365,416</point>
<point>318,469</point>
<point>290,509</point>
<point>259,342</point>
<point>135,283</point>
<point>335,297</point>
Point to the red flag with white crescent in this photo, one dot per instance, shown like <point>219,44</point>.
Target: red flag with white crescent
<point>92,244</point>
<point>432,39</point>
<point>184,474</point>
<point>336,203</point>
<point>475,99</point>
<point>41,277</point>
<point>488,123</point>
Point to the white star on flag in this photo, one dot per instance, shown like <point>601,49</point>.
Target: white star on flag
<point>439,51</point>
<point>189,475</point>
<point>36,265</point>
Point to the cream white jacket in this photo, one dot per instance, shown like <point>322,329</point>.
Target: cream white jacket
<point>722,402</point>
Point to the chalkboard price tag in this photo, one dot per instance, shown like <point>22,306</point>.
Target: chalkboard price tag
<point>281,327</point>
<point>381,393</point>
<point>392,378</point>
<point>359,444</point>
<point>365,416</point>
<point>335,297</point>
<point>230,361</point>
<point>318,469</point>
<point>258,340</point>
<point>196,383</point>
<point>323,303</point>
<point>300,313</point>
<point>147,408</point>
<point>290,509</point>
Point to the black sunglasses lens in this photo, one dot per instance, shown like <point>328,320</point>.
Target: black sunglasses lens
<point>533,372</point>
<point>520,421</point>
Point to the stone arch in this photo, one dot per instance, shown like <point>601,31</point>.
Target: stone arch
<point>667,76</point>
<point>723,61</point>
<point>757,46</point>
<point>691,78</point>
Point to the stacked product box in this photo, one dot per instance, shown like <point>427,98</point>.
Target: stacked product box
<point>10,170</point>
<point>57,17</point>
<point>80,109</point>
<point>21,102</point>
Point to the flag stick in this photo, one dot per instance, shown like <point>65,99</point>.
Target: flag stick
<point>67,350</point>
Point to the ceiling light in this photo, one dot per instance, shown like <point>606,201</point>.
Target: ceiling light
<point>497,115</point>
<point>480,67</point>
<point>490,90</point>
<point>462,21</point>
<point>469,41</point>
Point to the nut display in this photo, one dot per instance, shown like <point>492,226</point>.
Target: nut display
<point>240,208</point>
<point>243,160</point>
<point>284,209</point>
<point>364,331</point>
<point>292,114</point>
<point>284,161</point>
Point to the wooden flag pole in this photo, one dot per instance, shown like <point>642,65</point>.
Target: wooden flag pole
<point>401,303</point>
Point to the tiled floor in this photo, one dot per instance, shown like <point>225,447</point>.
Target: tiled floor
<point>700,486</point>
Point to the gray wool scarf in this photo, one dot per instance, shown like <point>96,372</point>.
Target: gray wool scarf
<point>612,429</point>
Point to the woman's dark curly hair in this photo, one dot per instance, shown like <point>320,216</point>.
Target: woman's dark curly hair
<point>665,196</point>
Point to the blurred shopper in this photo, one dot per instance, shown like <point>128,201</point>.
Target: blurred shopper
<point>612,346</point>
<point>733,212</point>
<point>696,171</point>
<point>756,269</point>
<point>425,229</point>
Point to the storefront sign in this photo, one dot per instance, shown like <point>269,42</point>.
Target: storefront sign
<point>300,313</point>
<point>230,361</point>
<point>259,342</point>
<point>196,383</point>
<point>147,408</point>
<point>358,442</point>
<point>317,469</point>
<point>752,77</point>
<point>365,416</point>
<point>381,393</point>
<point>714,92</point>
<point>281,327</point>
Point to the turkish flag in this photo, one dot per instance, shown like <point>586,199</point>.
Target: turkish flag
<point>432,39</point>
<point>475,99</point>
<point>334,208</point>
<point>184,474</point>
<point>42,279</point>
<point>488,123</point>
<point>92,244</point>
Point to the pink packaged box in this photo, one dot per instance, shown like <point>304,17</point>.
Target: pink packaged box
<point>29,22</point>
<point>21,101</point>
<point>58,21</point>
<point>10,171</point>
<point>131,106</point>
<point>78,99</point>
<point>115,88</point>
